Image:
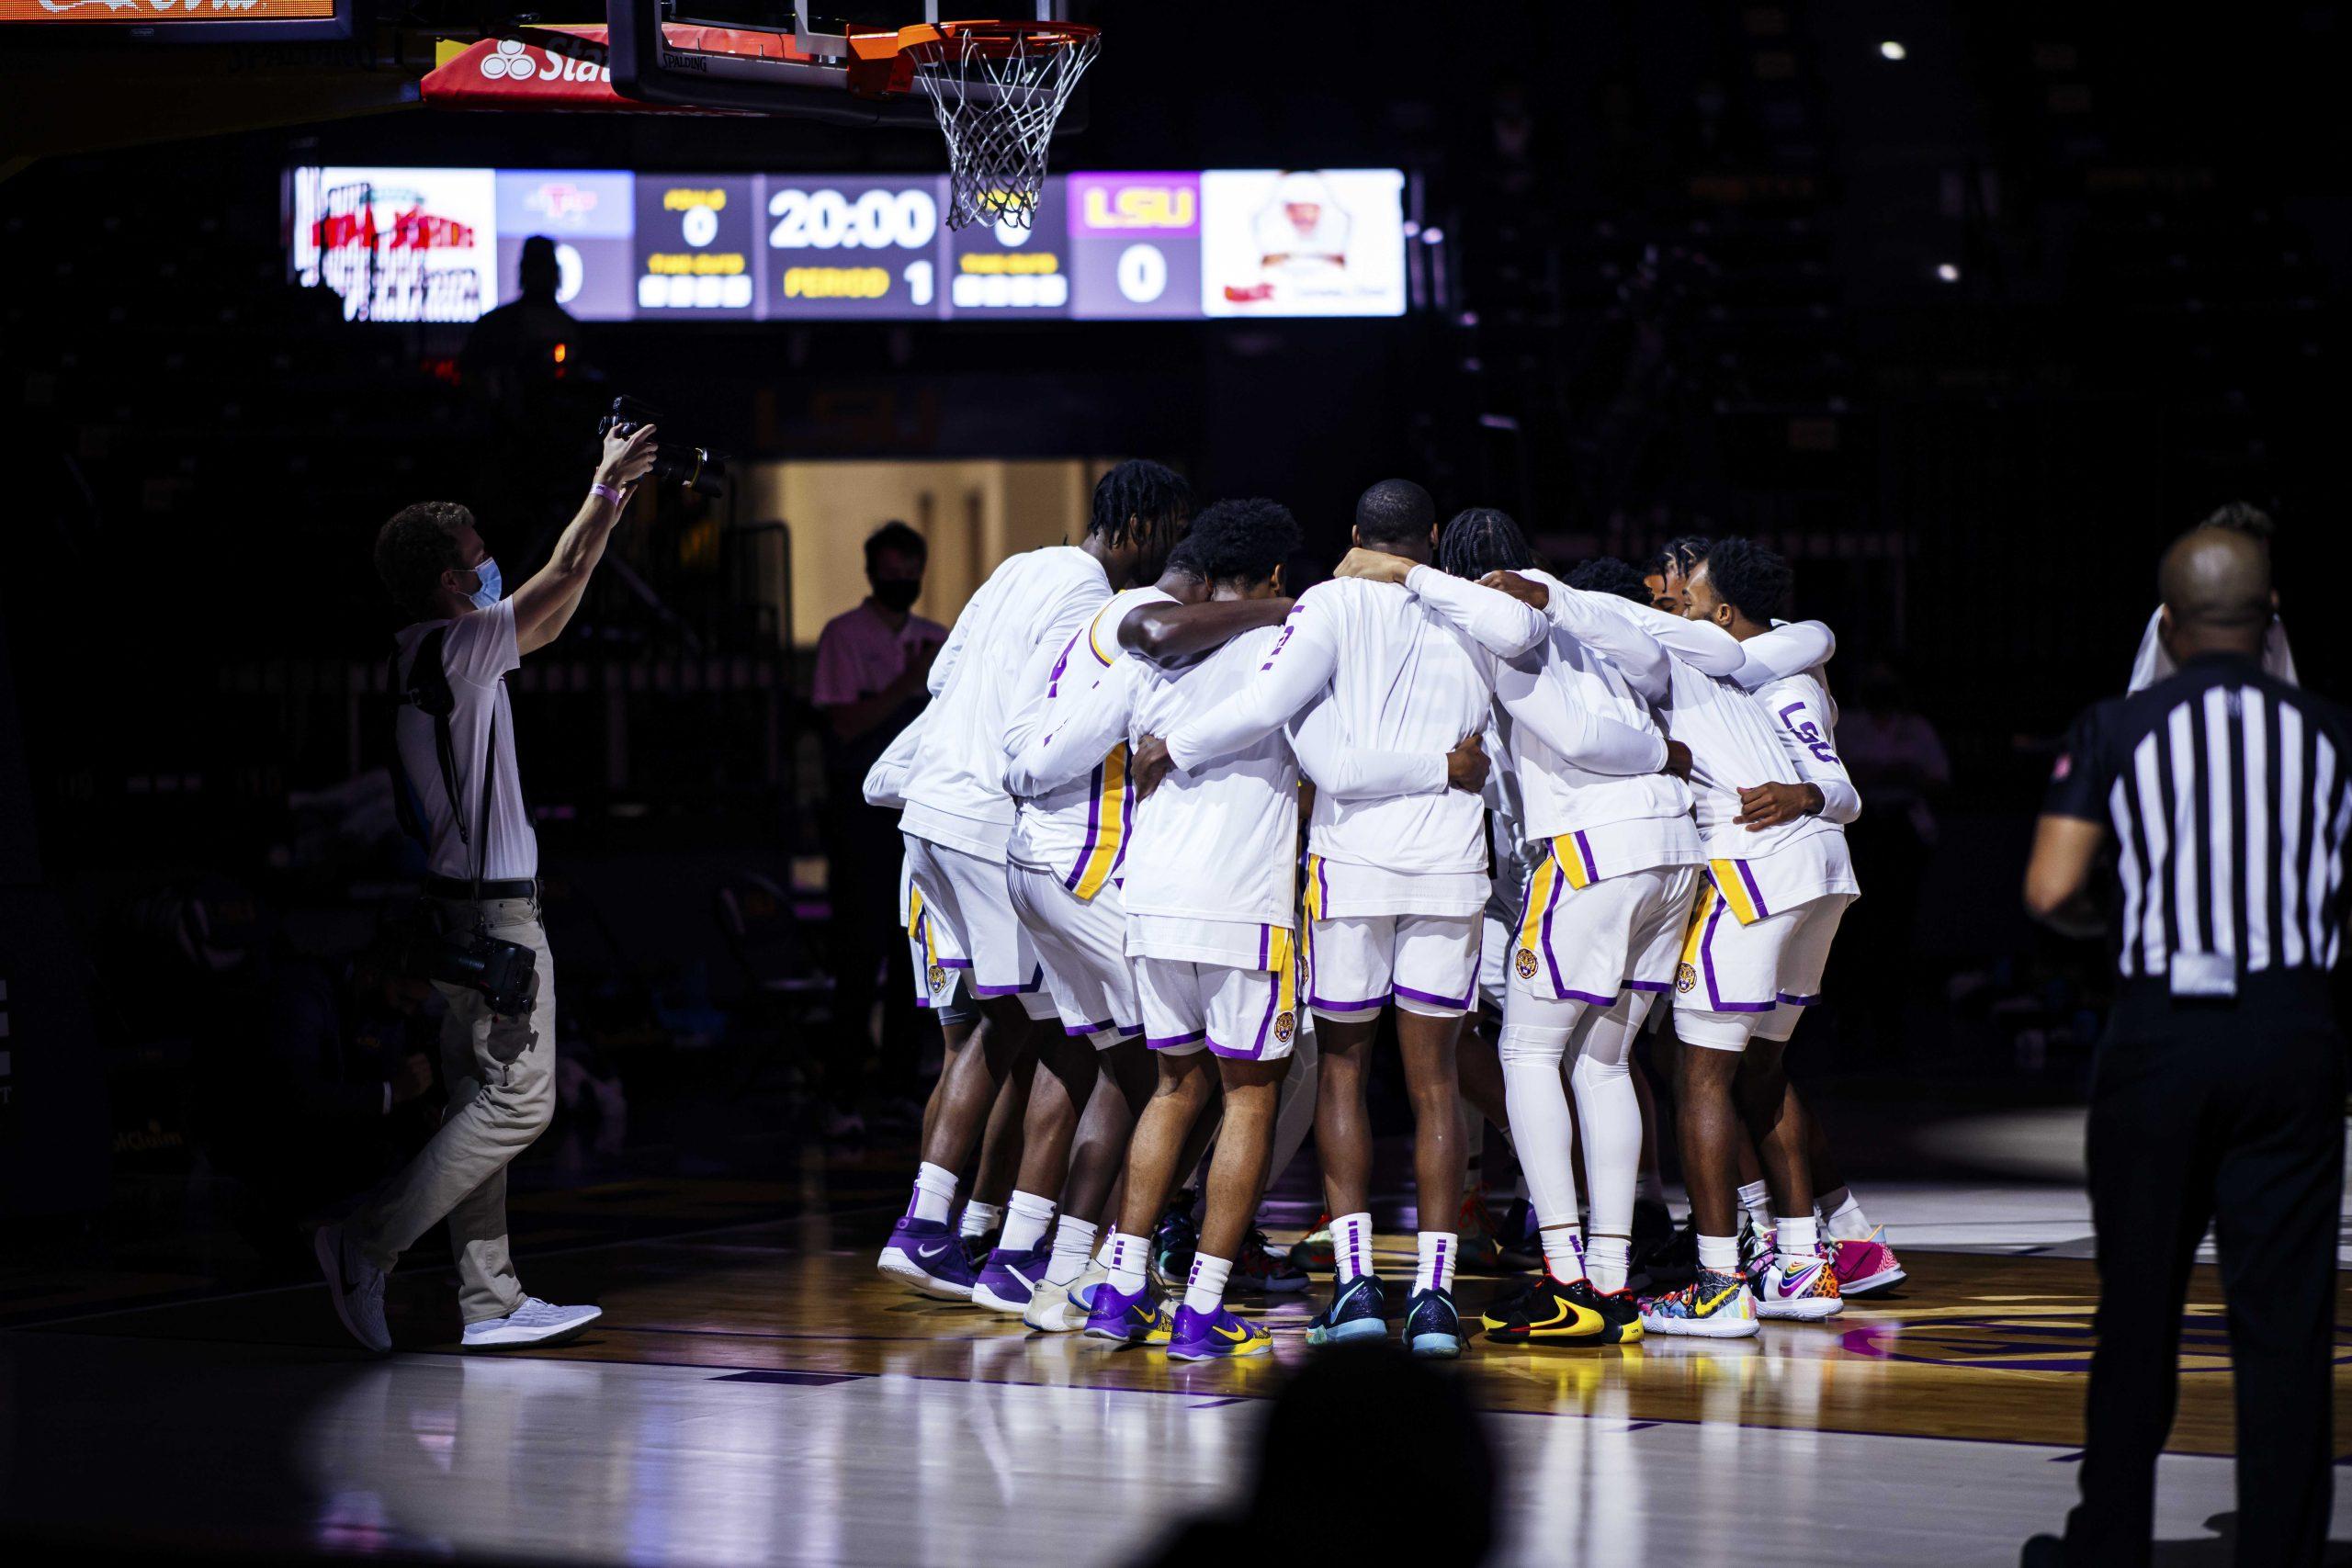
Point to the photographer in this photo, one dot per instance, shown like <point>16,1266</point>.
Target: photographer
<point>456,737</point>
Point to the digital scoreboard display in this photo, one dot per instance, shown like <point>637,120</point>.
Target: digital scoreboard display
<point>443,245</point>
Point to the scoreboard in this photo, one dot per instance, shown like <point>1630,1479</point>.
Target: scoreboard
<point>444,246</point>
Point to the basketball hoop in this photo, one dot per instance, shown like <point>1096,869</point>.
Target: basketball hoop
<point>997,88</point>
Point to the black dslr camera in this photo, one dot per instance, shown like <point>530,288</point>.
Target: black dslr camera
<point>476,961</point>
<point>697,468</point>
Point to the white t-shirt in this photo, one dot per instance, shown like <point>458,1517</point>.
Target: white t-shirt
<point>1025,613</point>
<point>478,651</point>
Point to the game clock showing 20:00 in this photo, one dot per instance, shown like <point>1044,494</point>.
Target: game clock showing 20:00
<point>1174,245</point>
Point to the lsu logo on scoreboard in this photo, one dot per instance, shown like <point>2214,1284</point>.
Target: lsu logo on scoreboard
<point>1141,207</point>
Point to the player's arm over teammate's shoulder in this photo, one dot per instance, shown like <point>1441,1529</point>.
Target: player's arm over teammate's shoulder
<point>1355,773</point>
<point>1792,647</point>
<point>1504,626</point>
<point>1295,673</point>
<point>1594,742</point>
<point>1167,632</point>
<point>1088,723</point>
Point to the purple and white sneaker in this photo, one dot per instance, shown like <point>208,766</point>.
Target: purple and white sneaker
<point>1211,1336</point>
<point>924,1256</point>
<point>1011,1279</point>
<point>1129,1319</point>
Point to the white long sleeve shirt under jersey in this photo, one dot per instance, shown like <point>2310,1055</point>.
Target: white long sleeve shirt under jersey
<point>1567,703</point>
<point>954,786</point>
<point>1809,727</point>
<point>1734,745</point>
<point>1399,679</point>
<point>1078,829</point>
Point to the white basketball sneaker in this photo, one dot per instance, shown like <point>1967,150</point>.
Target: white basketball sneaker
<point>534,1323</point>
<point>1063,1309</point>
<point>355,1285</point>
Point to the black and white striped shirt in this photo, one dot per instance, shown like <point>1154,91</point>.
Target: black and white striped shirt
<point>2229,794</point>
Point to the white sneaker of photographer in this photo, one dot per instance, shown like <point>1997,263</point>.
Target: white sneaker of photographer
<point>534,1323</point>
<point>355,1285</point>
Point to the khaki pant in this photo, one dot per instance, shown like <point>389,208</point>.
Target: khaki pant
<point>501,1075</point>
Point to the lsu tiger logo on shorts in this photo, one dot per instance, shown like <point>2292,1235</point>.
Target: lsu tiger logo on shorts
<point>1525,964</point>
<point>1686,979</point>
<point>1284,1024</point>
<point>937,976</point>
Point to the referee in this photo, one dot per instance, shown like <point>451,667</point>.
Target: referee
<point>2218,1092</point>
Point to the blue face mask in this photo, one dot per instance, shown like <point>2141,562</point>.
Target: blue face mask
<point>490,590</point>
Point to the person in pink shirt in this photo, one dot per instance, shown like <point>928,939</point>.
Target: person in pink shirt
<point>872,664</point>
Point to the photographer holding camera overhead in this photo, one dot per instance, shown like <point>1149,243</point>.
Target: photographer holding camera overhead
<point>490,961</point>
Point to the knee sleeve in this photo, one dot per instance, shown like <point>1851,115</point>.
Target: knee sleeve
<point>1540,1119</point>
<point>1522,1046</point>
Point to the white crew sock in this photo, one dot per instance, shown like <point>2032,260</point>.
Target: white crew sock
<point>1564,1254</point>
<point>1843,1215</point>
<point>1608,1113</point>
<point>1719,1254</point>
<point>1205,1291</point>
<point>934,1193</point>
<point>1434,1268</point>
<point>1798,1242</point>
<point>1757,1198</point>
<point>1608,1259</point>
<point>1073,1240</point>
<point>1026,1219</point>
<point>980,1218</point>
<point>1127,1256</point>
<point>1352,1245</point>
<point>1103,1253</point>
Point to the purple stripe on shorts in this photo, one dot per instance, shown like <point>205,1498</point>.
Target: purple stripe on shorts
<point>1584,848</point>
<point>1649,985</point>
<point>955,963</point>
<point>1369,1004</point>
<point>1551,904</point>
<point>1074,1030</point>
<point>1034,981</point>
<point>1265,1024</point>
<point>1435,1000</point>
<point>1707,953</point>
<point>1094,828</point>
<point>1568,995</point>
<point>1800,1001</point>
<point>1755,893</point>
<point>1265,943</point>
<point>1159,1043</point>
<point>1322,888</point>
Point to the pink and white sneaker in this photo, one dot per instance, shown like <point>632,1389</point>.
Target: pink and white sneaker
<point>1806,1293</point>
<point>1864,1268</point>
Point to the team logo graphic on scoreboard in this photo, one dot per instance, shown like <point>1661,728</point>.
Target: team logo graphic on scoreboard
<point>1284,1024</point>
<point>1686,979</point>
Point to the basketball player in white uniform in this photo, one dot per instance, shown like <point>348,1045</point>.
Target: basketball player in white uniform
<point>1063,872</point>
<point>1769,895</point>
<point>957,822</point>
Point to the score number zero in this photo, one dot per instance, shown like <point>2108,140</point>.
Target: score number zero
<point>879,220</point>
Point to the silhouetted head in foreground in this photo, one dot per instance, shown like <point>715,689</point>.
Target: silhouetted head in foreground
<point>2216,586</point>
<point>1368,1455</point>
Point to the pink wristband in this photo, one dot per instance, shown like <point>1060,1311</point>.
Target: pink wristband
<point>608,491</point>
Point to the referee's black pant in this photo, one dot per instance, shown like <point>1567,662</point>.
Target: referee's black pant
<point>2229,1112</point>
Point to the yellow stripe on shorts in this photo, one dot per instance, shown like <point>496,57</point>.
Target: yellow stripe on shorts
<point>1701,909</point>
<point>1110,820</point>
<point>1564,850</point>
<point>1540,888</point>
<point>1732,887</point>
<point>1314,888</point>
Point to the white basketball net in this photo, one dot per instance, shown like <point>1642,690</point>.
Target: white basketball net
<point>997,98</point>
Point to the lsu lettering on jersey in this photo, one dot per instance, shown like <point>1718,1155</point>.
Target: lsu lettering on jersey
<point>955,784</point>
<point>1399,679</point>
<point>1078,829</point>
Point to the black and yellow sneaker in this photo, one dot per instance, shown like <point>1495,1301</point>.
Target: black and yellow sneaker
<point>1513,1295</point>
<point>1574,1313</point>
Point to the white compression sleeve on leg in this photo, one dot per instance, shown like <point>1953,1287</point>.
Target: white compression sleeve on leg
<point>1534,1039</point>
<point>1608,1113</point>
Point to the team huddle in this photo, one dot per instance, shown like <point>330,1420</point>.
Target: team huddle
<point>1563,808</point>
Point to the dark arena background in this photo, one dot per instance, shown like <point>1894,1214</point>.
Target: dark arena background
<point>1967,311</point>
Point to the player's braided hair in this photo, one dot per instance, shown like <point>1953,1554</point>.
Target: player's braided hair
<point>1606,574</point>
<point>1750,578</point>
<point>1685,551</point>
<point>415,546</point>
<point>1394,510</point>
<point>1243,541</point>
<point>1147,491</point>
<point>1481,540</point>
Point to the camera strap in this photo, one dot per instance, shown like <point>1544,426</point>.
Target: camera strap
<point>481,811</point>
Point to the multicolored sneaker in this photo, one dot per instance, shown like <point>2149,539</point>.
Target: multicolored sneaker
<point>1314,1250</point>
<point>1478,1247</point>
<point>1208,1336</point>
<point>1757,1245</point>
<point>1807,1292</point>
<point>1865,1267</point>
<point>1570,1313</point>
<point>923,1253</point>
<point>1261,1272</point>
<point>1356,1311</point>
<point>1712,1306</point>
<point>1128,1319</point>
<point>1431,1325</point>
<point>1009,1279</point>
<point>1174,1239</point>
